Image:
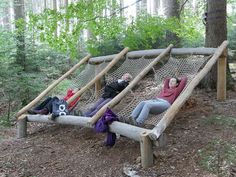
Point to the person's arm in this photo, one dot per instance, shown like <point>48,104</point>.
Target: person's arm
<point>166,83</point>
<point>181,85</point>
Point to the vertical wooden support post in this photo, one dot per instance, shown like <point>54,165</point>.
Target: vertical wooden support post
<point>98,84</point>
<point>146,150</point>
<point>22,127</point>
<point>221,76</point>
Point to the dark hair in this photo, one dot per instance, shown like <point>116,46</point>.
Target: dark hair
<point>177,80</point>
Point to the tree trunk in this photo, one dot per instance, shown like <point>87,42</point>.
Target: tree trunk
<point>172,10</point>
<point>45,4</point>
<point>121,6</point>
<point>141,6</point>
<point>20,32</point>
<point>216,33</point>
<point>55,8</point>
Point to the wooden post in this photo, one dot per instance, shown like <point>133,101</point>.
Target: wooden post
<point>146,150</point>
<point>98,84</point>
<point>115,100</point>
<point>22,128</point>
<point>99,76</point>
<point>221,76</point>
<point>54,84</point>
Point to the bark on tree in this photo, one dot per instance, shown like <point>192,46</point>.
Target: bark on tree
<point>121,6</point>
<point>6,19</point>
<point>55,8</point>
<point>216,33</point>
<point>45,4</point>
<point>141,6</point>
<point>19,13</point>
<point>172,10</point>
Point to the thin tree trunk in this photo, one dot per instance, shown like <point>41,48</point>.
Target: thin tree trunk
<point>216,33</point>
<point>20,27</point>
<point>45,4</point>
<point>55,8</point>
<point>121,6</point>
<point>172,10</point>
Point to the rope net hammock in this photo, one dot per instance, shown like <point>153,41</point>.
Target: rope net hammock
<point>132,66</point>
<point>174,67</point>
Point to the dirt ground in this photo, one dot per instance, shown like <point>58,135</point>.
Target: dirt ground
<point>69,151</point>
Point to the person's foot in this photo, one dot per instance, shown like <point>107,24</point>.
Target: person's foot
<point>31,111</point>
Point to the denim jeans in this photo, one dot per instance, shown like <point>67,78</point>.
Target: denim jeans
<point>142,110</point>
<point>97,106</point>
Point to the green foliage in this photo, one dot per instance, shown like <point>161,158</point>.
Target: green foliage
<point>146,32</point>
<point>231,27</point>
<point>217,157</point>
<point>221,120</point>
<point>85,16</point>
<point>149,32</point>
<point>191,30</point>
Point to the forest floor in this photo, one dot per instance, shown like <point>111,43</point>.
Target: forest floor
<point>201,141</point>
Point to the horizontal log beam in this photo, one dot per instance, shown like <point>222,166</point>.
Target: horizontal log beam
<point>124,129</point>
<point>156,52</point>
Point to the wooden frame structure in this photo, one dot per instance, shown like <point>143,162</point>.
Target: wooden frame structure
<point>142,135</point>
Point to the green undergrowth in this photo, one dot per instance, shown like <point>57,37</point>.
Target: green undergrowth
<point>217,157</point>
<point>226,121</point>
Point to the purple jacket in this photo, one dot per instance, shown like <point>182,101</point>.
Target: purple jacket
<point>102,126</point>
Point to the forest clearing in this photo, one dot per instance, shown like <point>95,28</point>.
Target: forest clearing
<point>133,88</point>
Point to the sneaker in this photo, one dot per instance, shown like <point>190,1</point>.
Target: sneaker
<point>31,111</point>
<point>78,113</point>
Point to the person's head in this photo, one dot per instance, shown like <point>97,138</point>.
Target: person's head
<point>127,77</point>
<point>174,82</point>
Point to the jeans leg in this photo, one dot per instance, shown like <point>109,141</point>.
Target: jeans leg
<point>137,110</point>
<point>87,113</point>
<point>152,106</point>
<point>100,106</point>
<point>43,104</point>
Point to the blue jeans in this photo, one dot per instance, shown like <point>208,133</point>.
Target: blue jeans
<point>142,110</point>
<point>97,106</point>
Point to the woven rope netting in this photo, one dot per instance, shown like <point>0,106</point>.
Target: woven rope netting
<point>132,66</point>
<point>175,67</point>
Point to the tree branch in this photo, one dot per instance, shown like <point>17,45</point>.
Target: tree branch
<point>116,11</point>
<point>182,6</point>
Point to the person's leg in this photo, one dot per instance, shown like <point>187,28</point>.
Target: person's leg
<point>100,106</point>
<point>162,106</point>
<point>152,106</point>
<point>43,104</point>
<point>135,113</point>
<point>93,108</point>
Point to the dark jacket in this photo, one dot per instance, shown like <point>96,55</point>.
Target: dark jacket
<point>114,89</point>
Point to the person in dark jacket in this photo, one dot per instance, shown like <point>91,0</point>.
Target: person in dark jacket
<point>110,91</point>
<point>46,106</point>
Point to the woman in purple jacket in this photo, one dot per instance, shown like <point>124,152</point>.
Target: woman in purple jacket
<point>171,90</point>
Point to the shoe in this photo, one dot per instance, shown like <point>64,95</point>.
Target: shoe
<point>31,111</point>
<point>78,113</point>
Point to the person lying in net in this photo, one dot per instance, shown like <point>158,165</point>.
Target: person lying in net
<point>46,106</point>
<point>171,90</point>
<point>110,91</point>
